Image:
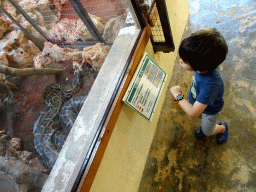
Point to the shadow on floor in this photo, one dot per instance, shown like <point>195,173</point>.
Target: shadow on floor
<point>177,161</point>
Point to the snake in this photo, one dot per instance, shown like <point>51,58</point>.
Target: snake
<point>56,119</point>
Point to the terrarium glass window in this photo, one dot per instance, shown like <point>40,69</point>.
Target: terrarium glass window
<point>51,53</point>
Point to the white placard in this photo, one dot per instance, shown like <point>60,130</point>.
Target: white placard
<point>145,88</point>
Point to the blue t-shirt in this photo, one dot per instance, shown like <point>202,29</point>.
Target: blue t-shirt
<point>208,89</point>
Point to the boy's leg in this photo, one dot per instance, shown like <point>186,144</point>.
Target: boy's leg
<point>222,137</point>
<point>219,129</point>
<point>209,126</point>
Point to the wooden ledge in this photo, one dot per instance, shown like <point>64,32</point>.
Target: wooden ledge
<point>88,177</point>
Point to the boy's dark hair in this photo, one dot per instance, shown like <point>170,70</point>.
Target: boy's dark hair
<point>204,50</point>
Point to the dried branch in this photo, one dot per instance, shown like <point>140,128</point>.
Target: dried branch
<point>28,71</point>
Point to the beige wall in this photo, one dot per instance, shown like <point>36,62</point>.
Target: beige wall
<point>126,154</point>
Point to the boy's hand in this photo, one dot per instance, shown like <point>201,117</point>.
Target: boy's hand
<point>176,90</point>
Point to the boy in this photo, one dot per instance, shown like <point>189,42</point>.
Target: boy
<point>203,52</point>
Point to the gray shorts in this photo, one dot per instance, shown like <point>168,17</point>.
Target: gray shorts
<point>209,122</point>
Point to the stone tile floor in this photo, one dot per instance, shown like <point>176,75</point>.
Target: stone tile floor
<point>179,162</point>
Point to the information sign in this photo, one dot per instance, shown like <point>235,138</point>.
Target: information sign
<point>145,88</point>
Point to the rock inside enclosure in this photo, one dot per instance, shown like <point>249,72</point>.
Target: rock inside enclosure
<point>7,184</point>
<point>95,55</point>
<point>19,50</point>
<point>113,27</point>
<point>19,168</point>
<point>73,30</point>
<point>3,27</point>
<point>52,54</point>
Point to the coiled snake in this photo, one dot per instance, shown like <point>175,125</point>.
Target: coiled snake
<point>56,119</point>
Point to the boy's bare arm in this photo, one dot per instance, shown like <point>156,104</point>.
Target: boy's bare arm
<point>192,110</point>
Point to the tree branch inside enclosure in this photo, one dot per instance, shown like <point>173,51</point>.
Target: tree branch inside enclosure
<point>28,71</point>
